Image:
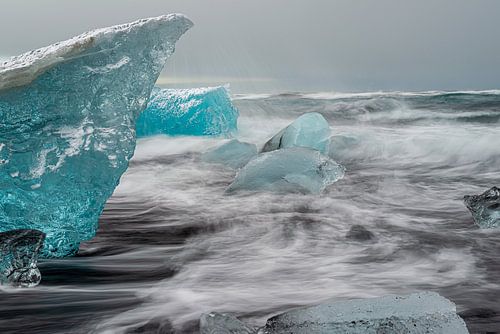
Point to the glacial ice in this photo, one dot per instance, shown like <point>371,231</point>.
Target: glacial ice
<point>295,169</point>
<point>19,250</point>
<point>234,154</point>
<point>425,312</point>
<point>67,129</point>
<point>215,323</point>
<point>485,208</point>
<point>194,112</point>
<point>309,130</point>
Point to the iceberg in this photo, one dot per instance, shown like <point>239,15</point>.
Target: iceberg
<point>309,130</point>
<point>19,250</point>
<point>194,112</point>
<point>295,169</point>
<point>67,130</point>
<point>425,312</point>
<point>214,323</point>
<point>485,208</point>
<point>234,154</point>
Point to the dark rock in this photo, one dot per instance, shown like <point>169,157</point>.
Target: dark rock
<point>360,233</point>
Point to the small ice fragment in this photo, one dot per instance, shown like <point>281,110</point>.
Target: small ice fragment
<point>485,208</point>
<point>19,251</point>
<point>234,154</point>
<point>192,112</point>
<point>309,130</point>
<point>294,169</point>
<point>215,323</point>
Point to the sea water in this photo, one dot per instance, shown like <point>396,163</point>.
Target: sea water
<point>172,244</point>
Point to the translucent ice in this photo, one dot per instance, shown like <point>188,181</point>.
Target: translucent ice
<point>195,112</point>
<point>425,312</point>
<point>67,129</point>
<point>295,169</point>
<point>215,323</point>
<point>234,154</point>
<point>309,130</point>
<point>485,208</point>
<point>19,251</point>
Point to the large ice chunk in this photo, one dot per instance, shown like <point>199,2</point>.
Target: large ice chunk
<point>194,112</point>
<point>309,130</point>
<point>19,250</point>
<point>234,154</point>
<point>295,169</point>
<point>425,312</point>
<point>418,313</point>
<point>67,128</point>
<point>485,208</point>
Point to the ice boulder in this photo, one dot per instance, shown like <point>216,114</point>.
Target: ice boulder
<point>19,250</point>
<point>425,312</point>
<point>309,130</point>
<point>194,112</point>
<point>295,169</point>
<point>67,129</point>
<point>485,208</point>
<point>221,323</point>
<point>234,154</point>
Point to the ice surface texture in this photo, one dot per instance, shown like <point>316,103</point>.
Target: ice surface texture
<point>67,130</point>
<point>193,112</point>
<point>234,154</point>
<point>309,130</point>
<point>485,208</point>
<point>295,169</point>
<point>425,312</point>
<point>19,251</point>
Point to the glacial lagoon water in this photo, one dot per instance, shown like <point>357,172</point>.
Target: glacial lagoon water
<point>172,244</point>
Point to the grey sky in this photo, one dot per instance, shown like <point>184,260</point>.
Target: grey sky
<point>290,45</point>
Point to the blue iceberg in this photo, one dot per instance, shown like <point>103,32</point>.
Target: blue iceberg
<point>19,250</point>
<point>234,154</point>
<point>309,130</point>
<point>67,130</point>
<point>194,112</point>
<point>485,208</point>
<point>425,312</point>
<point>295,169</point>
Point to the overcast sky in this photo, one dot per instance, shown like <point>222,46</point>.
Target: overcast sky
<point>289,45</point>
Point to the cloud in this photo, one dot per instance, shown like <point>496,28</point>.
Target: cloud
<point>167,80</point>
